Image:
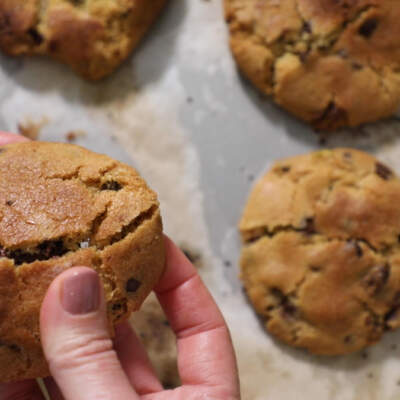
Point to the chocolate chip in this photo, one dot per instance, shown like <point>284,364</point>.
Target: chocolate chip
<point>285,168</point>
<point>368,27</point>
<point>348,339</point>
<point>356,66</point>
<point>111,185</point>
<point>390,317</point>
<point>332,116</point>
<point>277,293</point>
<point>116,306</point>
<point>315,268</point>
<point>133,285</point>
<point>289,310</point>
<point>44,251</point>
<point>377,278</point>
<point>359,250</point>
<point>36,36</point>
<point>307,27</point>
<point>50,249</point>
<point>308,225</point>
<point>383,171</point>
<point>9,202</point>
<point>347,155</point>
<point>53,46</point>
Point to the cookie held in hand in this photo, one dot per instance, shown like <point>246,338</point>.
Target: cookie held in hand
<point>331,63</point>
<point>91,36</point>
<point>321,255</point>
<point>63,206</point>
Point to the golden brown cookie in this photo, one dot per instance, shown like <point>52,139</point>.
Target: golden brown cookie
<point>321,254</point>
<point>61,206</point>
<point>332,63</point>
<point>92,36</point>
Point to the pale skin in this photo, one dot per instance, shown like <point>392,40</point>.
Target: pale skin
<point>85,363</point>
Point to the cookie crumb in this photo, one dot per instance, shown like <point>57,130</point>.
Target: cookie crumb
<point>31,129</point>
<point>72,136</point>
<point>193,256</point>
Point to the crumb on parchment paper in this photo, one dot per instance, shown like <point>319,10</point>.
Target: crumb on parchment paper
<point>71,136</point>
<point>31,129</point>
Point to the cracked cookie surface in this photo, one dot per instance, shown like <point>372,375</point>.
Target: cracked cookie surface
<point>60,206</point>
<point>92,36</point>
<point>321,250</point>
<point>332,63</point>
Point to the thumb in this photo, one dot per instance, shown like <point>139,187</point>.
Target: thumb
<point>76,341</point>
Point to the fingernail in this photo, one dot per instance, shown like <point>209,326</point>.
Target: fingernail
<point>81,292</point>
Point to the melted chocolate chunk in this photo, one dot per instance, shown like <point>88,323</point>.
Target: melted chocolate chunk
<point>332,116</point>
<point>289,310</point>
<point>368,27</point>
<point>383,171</point>
<point>308,225</point>
<point>377,278</point>
<point>348,339</point>
<point>111,185</point>
<point>307,27</point>
<point>36,36</point>
<point>45,251</point>
<point>133,285</point>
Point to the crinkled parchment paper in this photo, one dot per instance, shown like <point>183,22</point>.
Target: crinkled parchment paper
<point>178,111</point>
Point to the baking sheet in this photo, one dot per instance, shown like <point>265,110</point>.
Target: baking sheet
<point>200,135</point>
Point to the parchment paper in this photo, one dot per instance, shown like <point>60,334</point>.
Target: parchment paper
<point>200,135</point>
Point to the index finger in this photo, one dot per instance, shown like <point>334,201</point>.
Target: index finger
<point>205,351</point>
<point>7,138</point>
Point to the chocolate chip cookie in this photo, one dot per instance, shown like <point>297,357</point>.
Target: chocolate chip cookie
<point>321,253</point>
<point>332,63</point>
<point>93,37</point>
<point>62,206</point>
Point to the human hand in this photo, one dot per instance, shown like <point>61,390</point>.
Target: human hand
<point>85,363</point>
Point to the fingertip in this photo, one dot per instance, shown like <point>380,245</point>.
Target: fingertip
<point>8,138</point>
<point>52,301</point>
